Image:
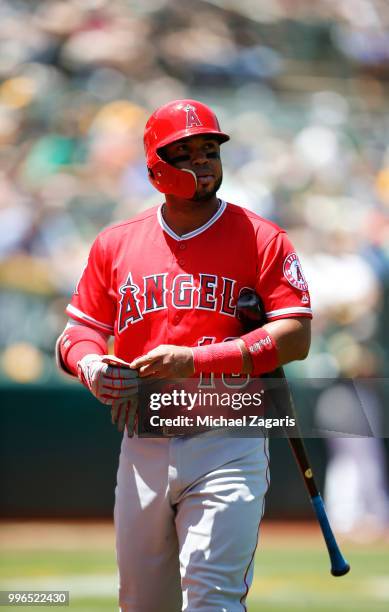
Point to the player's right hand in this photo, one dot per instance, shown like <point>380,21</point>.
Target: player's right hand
<point>124,414</point>
<point>109,383</point>
<point>112,382</point>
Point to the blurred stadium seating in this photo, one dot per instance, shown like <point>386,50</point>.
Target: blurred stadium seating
<point>303,89</point>
<point>301,86</point>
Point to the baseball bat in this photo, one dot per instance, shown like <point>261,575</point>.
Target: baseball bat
<point>251,313</point>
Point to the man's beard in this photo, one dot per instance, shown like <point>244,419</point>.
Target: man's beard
<point>207,195</point>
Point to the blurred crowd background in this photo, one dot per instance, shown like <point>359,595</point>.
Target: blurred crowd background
<point>301,86</point>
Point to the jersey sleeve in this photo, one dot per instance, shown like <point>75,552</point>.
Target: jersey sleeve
<point>281,282</point>
<point>92,303</point>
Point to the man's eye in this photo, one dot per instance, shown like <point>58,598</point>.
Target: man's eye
<point>213,155</point>
<point>180,158</point>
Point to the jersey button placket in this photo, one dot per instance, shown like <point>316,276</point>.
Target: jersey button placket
<point>180,259</point>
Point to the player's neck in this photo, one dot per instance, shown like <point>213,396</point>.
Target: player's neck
<point>184,216</point>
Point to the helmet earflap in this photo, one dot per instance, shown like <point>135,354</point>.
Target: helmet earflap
<point>168,179</point>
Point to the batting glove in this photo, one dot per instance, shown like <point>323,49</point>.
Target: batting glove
<point>125,414</point>
<point>113,383</point>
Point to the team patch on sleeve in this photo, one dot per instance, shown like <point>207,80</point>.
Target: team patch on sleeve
<point>293,272</point>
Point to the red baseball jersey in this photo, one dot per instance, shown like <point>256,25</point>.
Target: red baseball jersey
<point>147,286</point>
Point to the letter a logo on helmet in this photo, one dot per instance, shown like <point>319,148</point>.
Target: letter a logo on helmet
<point>169,123</point>
<point>192,119</point>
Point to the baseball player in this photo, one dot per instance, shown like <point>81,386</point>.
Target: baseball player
<point>165,285</point>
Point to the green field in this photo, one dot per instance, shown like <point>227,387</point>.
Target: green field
<point>292,570</point>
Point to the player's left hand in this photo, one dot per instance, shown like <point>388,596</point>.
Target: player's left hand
<point>165,361</point>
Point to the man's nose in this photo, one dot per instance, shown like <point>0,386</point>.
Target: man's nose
<point>199,157</point>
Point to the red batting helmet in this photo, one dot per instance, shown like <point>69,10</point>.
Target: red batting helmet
<point>171,122</point>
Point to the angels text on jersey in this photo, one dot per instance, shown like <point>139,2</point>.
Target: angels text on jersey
<point>183,291</point>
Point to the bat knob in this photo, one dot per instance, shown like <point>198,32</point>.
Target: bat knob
<point>250,309</point>
<point>341,571</point>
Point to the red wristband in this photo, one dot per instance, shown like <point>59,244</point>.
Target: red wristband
<point>263,351</point>
<point>78,341</point>
<point>219,358</point>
